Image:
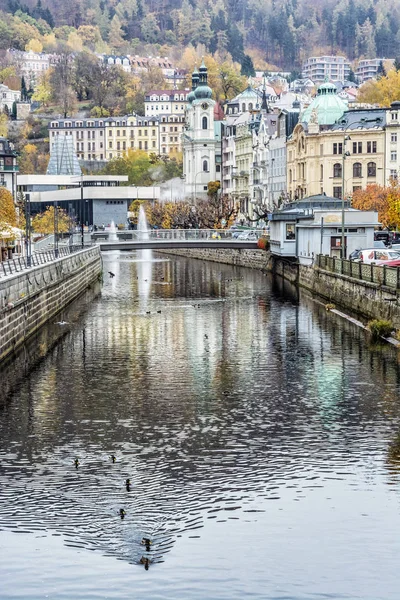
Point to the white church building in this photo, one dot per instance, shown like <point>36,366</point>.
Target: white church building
<point>201,140</point>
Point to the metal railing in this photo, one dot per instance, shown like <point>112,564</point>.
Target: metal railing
<point>182,234</point>
<point>21,263</point>
<point>379,274</point>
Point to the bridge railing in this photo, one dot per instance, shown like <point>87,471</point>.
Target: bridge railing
<point>380,274</point>
<point>182,234</point>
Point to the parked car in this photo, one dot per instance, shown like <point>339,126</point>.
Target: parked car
<point>384,236</point>
<point>395,237</point>
<point>377,256</point>
<point>248,235</point>
<point>356,253</point>
<point>389,263</point>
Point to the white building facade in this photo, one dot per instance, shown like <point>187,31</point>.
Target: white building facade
<point>314,226</point>
<point>200,145</point>
<point>33,65</point>
<point>368,68</point>
<point>8,97</point>
<point>334,68</point>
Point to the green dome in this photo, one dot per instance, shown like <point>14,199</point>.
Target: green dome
<point>190,97</point>
<point>202,91</point>
<point>327,105</point>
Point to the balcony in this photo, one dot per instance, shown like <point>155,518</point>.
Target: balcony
<point>9,169</point>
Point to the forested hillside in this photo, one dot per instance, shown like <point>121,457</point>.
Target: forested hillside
<point>283,32</point>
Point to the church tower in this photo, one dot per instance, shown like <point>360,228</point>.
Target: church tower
<point>199,141</point>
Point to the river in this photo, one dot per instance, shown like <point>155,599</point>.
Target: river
<point>259,433</point>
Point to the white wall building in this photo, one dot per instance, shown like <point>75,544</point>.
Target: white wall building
<point>314,226</point>
<point>118,61</point>
<point>8,97</point>
<point>169,106</point>
<point>368,68</point>
<point>201,142</point>
<point>392,143</point>
<point>96,199</point>
<point>318,68</point>
<point>165,102</point>
<point>32,65</point>
<point>229,155</point>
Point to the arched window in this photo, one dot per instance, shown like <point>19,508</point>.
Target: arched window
<point>371,169</point>
<point>205,166</point>
<point>250,106</point>
<point>321,174</point>
<point>204,123</point>
<point>357,170</point>
<point>337,170</point>
<point>243,107</point>
<point>290,175</point>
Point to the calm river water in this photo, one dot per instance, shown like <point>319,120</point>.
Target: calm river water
<point>258,432</point>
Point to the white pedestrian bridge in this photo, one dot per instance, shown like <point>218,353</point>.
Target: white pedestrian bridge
<point>176,238</point>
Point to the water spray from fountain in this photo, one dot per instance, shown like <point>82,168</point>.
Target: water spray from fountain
<point>143,226</point>
<point>112,236</point>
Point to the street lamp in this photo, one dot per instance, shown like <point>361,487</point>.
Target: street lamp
<point>81,211</point>
<point>28,252</point>
<point>55,229</point>
<point>195,183</point>
<point>345,154</point>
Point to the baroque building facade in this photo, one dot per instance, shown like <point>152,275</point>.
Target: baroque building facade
<point>201,140</point>
<point>335,151</point>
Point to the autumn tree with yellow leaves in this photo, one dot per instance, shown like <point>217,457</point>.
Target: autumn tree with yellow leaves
<point>44,222</point>
<point>382,91</point>
<point>383,199</point>
<point>8,214</point>
<point>31,161</point>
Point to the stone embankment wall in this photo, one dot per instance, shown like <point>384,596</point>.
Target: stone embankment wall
<point>30,298</point>
<point>253,259</point>
<point>369,300</point>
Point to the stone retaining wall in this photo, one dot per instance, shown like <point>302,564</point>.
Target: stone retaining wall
<point>253,259</point>
<point>30,298</point>
<point>370,300</point>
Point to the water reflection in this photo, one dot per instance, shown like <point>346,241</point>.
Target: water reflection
<point>224,411</point>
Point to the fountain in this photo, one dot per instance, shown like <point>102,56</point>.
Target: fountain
<point>143,226</point>
<point>112,236</point>
<point>144,260</point>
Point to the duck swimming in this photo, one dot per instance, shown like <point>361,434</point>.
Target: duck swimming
<point>128,485</point>
<point>76,463</point>
<point>146,562</point>
<point>146,542</point>
<point>122,513</point>
<point>113,458</point>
